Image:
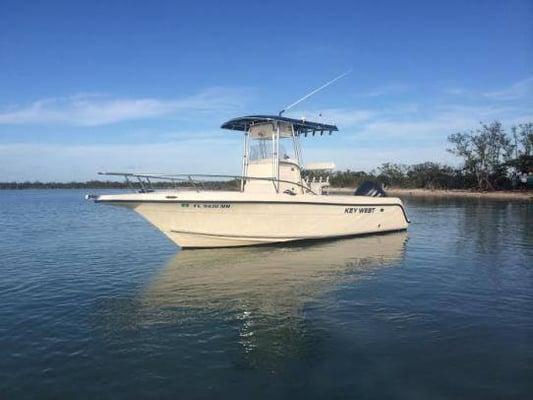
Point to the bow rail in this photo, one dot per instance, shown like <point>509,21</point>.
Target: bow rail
<point>145,181</point>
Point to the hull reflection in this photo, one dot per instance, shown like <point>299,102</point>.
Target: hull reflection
<point>263,292</point>
<point>268,276</point>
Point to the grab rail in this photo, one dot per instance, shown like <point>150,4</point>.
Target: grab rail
<point>189,178</point>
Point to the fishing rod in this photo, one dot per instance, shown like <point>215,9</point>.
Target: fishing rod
<point>325,85</point>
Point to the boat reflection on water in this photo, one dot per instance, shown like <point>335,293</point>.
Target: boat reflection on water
<point>263,292</point>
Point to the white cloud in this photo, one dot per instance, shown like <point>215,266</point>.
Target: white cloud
<point>390,89</point>
<point>361,158</point>
<point>19,162</point>
<point>517,90</point>
<point>410,121</point>
<point>96,109</point>
<point>455,91</point>
<point>339,116</point>
<point>407,129</point>
<point>402,132</point>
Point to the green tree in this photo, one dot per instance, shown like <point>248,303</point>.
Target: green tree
<point>483,152</point>
<point>392,174</point>
<point>522,147</point>
<point>525,138</point>
<point>430,175</point>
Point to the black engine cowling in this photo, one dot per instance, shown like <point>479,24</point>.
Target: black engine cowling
<point>370,188</point>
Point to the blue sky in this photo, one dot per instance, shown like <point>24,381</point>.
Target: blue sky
<point>144,86</point>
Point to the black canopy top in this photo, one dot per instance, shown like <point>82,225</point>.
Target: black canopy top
<point>301,126</point>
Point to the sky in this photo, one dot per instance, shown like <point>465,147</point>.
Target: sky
<point>143,86</point>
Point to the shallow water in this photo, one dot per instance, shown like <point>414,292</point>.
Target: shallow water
<point>94,302</point>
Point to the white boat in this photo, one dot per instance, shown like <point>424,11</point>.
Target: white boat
<point>273,201</point>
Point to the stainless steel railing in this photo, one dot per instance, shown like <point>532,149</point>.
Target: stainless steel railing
<point>145,183</point>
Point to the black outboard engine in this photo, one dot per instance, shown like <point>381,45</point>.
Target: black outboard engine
<point>370,188</point>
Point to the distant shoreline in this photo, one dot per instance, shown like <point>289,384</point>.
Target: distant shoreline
<point>394,191</point>
<point>442,193</point>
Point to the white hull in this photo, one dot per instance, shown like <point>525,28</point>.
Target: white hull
<point>228,219</point>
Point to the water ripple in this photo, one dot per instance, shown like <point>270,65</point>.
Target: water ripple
<point>94,300</point>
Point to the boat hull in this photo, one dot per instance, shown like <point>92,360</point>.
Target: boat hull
<point>193,221</point>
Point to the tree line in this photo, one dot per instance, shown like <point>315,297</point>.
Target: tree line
<point>492,159</point>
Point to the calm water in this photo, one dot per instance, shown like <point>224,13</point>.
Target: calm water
<point>96,303</point>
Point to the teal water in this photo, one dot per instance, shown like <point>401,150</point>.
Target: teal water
<point>95,303</point>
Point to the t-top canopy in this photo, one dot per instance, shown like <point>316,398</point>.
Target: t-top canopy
<point>301,126</point>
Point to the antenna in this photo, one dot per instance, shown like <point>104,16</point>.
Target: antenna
<point>325,85</point>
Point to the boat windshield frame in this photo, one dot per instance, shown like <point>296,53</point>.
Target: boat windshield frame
<point>275,127</point>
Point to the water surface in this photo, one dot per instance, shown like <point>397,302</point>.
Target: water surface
<point>94,302</point>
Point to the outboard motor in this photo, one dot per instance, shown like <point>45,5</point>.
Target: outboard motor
<point>370,188</point>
